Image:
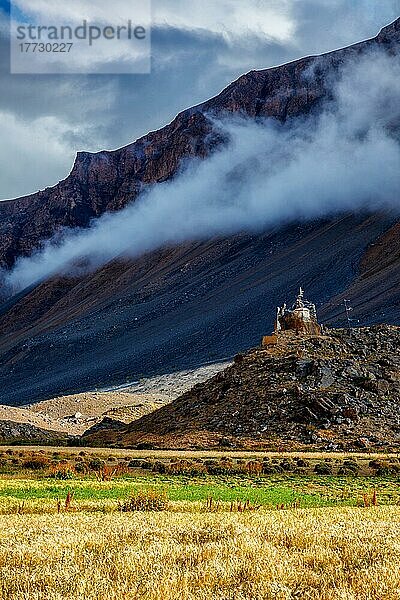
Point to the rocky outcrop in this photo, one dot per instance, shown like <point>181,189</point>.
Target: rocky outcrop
<point>11,433</point>
<point>336,391</point>
<point>107,181</point>
<point>106,424</point>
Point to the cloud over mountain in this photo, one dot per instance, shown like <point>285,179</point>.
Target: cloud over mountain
<point>345,159</point>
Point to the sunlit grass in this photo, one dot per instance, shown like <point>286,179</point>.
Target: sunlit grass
<point>301,535</point>
<point>321,554</point>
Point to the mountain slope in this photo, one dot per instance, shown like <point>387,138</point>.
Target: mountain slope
<point>181,307</point>
<point>176,308</point>
<point>107,181</point>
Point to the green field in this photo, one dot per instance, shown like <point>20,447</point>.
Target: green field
<point>40,494</point>
<point>38,480</point>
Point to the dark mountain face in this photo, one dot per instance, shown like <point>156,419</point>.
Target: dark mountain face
<point>202,301</point>
<point>185,306</point>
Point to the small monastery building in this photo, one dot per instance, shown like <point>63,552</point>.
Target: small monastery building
<point>300,318</point>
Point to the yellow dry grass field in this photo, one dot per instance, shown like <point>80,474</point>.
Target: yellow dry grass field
<point>193,454</point>
<point>324,554</point>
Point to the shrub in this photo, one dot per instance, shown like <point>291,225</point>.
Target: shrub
<point>137,463</point>
<point>145,500</point>
<point>302,462</point>
<point>300,471</point>
<point>374,464</point>
<point>253,467</point>
<point>5,466</point>
<point>349,467</point>
<point>190,468</point>
<point>224,466</point>
<point>385,468</point>
<point>287,464</point>
<point>63,474</point>
<point>95,464</point>
<point>36,463</point>
<point>268,467</point>
<point>323,468</point>
<point>81,468</point>
<point>209,462</point>
<point>159,467</point>
<point>271,468</point>
<point>107,472</point>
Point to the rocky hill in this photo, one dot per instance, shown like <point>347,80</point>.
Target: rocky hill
<point>202,302</point>
<point>24,433</point>
<point>335,391</point>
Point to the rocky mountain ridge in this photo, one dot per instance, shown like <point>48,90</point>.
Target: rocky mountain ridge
<point>108,180</point>
<point>24,433</point>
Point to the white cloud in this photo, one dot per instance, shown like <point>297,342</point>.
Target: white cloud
<point>41,149</point>
<point>233,18</point>
<point>36,148</point>
<point>343,161</point>
<point>89,51</point>
<point>92,10</point>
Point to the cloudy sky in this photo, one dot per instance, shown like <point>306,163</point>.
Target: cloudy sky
<point>198,47</point>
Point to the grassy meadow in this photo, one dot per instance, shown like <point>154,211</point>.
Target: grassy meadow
<point>91,524</point>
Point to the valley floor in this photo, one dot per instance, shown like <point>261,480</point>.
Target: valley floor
<point>68,529</point>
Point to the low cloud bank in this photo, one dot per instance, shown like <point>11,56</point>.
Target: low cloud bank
<point>347,159</point>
